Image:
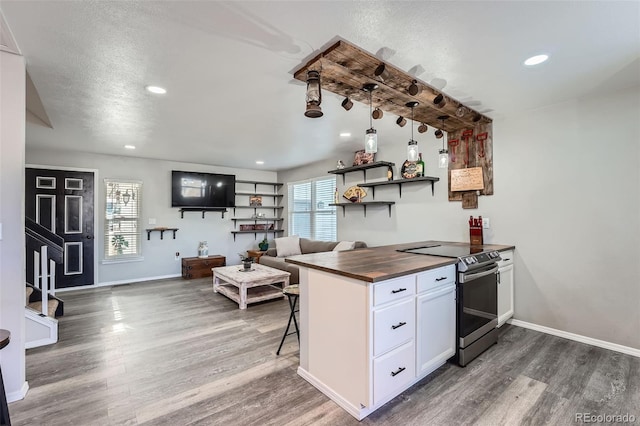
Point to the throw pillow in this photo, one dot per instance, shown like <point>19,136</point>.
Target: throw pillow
<point>288,246</point>
<point>345,245</point>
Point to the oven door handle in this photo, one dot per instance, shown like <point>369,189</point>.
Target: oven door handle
<point>470,277</point>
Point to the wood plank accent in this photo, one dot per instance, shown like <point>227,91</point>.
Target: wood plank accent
<point>467,179</point>
<point>345,69</point>
<point>379,263</point>
<point>472,148</point>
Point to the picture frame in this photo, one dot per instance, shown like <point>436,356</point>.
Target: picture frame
<point>255,201</point>
<point>361,157</point>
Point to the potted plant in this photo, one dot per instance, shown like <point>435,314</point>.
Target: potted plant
<point>264,244</point>
<point>119,243</point>
<point>246,261</point>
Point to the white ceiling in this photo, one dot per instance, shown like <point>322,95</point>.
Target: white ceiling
<point>227,67</point>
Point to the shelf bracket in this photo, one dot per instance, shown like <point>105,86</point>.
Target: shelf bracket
<point>365,176</point>
<point>373,192</point>
<point>400,189</point>
<point>343,179</point>
<point>432,191</point>
<point>365,210</point>
<point>389,210</point>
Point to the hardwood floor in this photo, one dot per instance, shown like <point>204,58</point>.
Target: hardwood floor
<point>172,352</point>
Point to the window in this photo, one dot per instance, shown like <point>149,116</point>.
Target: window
<point>310,215</point>
<point>122,221</point>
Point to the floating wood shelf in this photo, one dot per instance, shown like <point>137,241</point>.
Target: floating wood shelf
<point>400,182</point>
<point>364,205</point>
<point>203,210</point>
<point>161,231</point>
<point>264,194</point>
<point>363,167</point>
<point>345,69</point>
<point>255,232</point>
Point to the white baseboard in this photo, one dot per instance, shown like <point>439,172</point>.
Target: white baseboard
<point>18,395</point>
<point>577,337</point>
<point>120,282</point>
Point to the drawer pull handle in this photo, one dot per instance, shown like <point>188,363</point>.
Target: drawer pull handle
<point>398,290</point>
<point>395,373</point>
<point>507,259</point>
<point>441,278</point>
<point>400,324</point>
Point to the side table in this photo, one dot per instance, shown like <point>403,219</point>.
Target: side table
<point>256,254</point>
<point>5,336</point>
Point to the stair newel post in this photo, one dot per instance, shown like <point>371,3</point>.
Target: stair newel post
<point>36,269</point>
<point>52,279</point>
<point>44,277</point>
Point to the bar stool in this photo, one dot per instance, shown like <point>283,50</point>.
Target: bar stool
<point>293,293</point>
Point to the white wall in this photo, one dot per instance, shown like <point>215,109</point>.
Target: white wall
<point>12,275</point>
<point>156,177</point>
<point>567,194</point>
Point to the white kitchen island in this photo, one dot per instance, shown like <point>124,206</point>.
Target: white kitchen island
<point>367,336</point>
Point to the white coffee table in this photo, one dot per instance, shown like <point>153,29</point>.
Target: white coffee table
<point>261,283</point>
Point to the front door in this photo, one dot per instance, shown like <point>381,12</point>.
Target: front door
<point>62,201</point>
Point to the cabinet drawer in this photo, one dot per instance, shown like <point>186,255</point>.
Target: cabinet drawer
<point>395,289</point>
<point>436,278</point>
<point>393,326</point>
<point>507,258</point>
<point>393,371</point>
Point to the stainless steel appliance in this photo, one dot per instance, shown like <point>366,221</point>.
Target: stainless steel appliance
<point>477,296</point>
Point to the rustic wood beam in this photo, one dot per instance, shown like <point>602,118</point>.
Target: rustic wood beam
<point>345,69</point>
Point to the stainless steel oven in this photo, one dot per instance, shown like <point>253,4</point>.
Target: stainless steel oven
<point>476,294</point>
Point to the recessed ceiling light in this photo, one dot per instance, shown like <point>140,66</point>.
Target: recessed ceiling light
<point>345,134</point>
<point>156,90</point>
<point>130,146</point>
<point>535,60</point>
<point>259,162</point>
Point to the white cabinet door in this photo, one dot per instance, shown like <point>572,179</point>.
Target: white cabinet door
<point>436,329</point>
<point>505,294</point>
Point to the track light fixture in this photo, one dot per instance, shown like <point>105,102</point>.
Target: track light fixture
<point>422,128</point>
<point>377,114</point>
<point>412,146</point>
<point>461,111</point>
<point>314,95</point>
<point>439,101</point>
<point>347,104</point>
<point>381,72</point>
<point>413,88</point>
<point>371,136</point>
<point>401,121</point>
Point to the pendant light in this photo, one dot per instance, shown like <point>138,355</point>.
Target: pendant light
<point>443,159</point>
<point>314,95</point>
<point>412,147</point>
<point>371,136</point>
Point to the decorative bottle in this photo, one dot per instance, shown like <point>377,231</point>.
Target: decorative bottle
<point>203,249</point>
<point>420,166</point>
<point>336,197</point>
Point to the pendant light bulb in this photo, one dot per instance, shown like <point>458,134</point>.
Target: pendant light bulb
<point>443,158</point>
<point>371,136</point>
<point>412,146</point>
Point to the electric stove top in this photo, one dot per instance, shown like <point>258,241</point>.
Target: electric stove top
<point>470,257</point>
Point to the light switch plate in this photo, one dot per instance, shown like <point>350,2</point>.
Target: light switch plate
<point>486,224</point>
<point>152,221</point>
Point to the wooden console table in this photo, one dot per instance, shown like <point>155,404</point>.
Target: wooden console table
<point>257,285</point>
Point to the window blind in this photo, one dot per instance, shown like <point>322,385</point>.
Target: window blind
<point>122,224</point>
<point>310,215</point>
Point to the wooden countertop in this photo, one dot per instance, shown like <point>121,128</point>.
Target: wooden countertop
<point>375,264</point>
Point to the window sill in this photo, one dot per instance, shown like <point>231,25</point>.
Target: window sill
<point>123,260</point>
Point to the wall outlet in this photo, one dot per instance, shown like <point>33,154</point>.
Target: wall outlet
<point>152,221</point>
<point>486,223</point>
<point>177,256</point>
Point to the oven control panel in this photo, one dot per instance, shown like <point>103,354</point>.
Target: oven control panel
<point>478,260</point>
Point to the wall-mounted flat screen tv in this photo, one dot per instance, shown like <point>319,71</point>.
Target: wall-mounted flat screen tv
<point>206,190</point>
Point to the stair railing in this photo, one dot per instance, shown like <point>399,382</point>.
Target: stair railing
<point>44,277</point>
<point>47,250</point>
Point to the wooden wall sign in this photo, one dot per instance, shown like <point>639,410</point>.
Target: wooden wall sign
<point>471,148</point>
<point>467,179</point>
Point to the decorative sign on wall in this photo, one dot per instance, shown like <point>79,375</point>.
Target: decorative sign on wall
<point>467,179</point>
<point>470,160</point>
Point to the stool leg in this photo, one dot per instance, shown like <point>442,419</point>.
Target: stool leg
<point>4,409</point>
<point>295,322</point>
<point>292,315</point>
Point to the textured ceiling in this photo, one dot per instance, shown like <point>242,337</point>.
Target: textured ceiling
<point>228,69</point>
